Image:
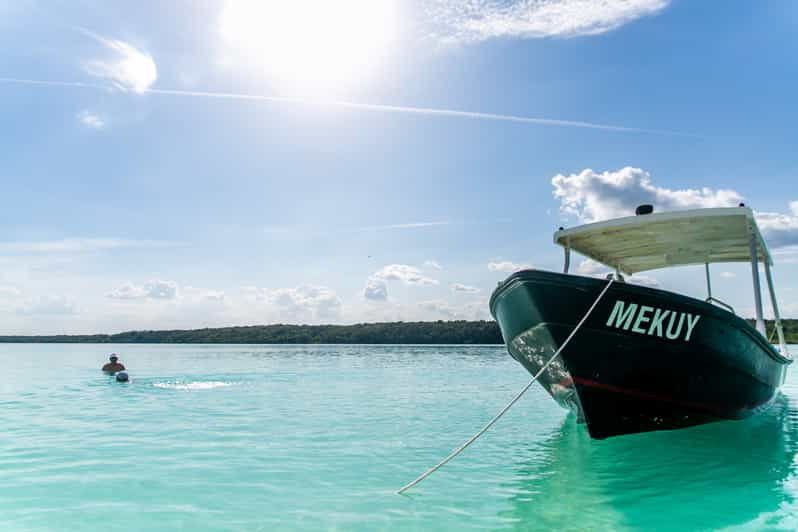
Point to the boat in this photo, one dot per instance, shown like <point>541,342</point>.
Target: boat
<point>629,358</point>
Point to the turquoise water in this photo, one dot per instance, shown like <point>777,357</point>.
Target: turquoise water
<point>300,437</point>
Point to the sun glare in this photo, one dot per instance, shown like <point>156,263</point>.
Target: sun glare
<point>312,45</point>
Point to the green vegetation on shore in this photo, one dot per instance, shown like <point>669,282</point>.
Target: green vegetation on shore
<point>790,330</point>
<point>422,332</point>
<point>435,332</point>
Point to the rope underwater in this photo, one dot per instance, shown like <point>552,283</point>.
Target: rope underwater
<point>509,405</point>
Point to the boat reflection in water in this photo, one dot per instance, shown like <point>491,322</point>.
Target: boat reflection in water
<point>729,474</point>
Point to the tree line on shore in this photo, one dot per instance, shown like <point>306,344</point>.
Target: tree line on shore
<point>435,332</point>
<point>420,332</point>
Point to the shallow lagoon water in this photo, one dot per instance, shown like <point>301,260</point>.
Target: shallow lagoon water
<point>320,437</point>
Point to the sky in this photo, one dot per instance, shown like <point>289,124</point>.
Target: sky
<point>204,163</point>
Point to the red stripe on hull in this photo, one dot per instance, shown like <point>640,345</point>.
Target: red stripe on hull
<point>706,407</point>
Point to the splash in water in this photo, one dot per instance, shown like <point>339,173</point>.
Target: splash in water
<point>195,385</point>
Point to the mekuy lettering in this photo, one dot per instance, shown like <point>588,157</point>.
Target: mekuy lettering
<point>691,325</point>
<point>623,317</point>
<point>656,321</point>
<point>639,318</point>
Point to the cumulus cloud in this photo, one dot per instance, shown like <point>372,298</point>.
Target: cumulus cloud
<point>780,229</point>
<point>434,265</point>
<point>375,290</point>
<point>728,275</point>
<point>201,295</point>
<point>479,20</point>
<point>592,268</point>
<point>91,119</point>
<point>464,288</point>
<point>154,289</point>
<point>506,266</point>
<point>591,196</point>
<point>404,273</point>
<point>50,305</point>
<point>377,287</point>
<point>304,301</point>
<point>126,67</point>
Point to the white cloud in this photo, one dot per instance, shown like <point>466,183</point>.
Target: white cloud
<point>456,21</point>
<point>786,255</point>
<point>728,275</point>
<point>790,310</point>
<point>780,229</point>
<point>477,310</point>
<point>592,196</point>
<point>90,119</point>
<point>592,268</point>
<point>79,245</point>
<point>644,280</point>
<point>403,272</point>
<point>507,266</point>
<point>377,287</point>
<point>51,304</point>
<point>439,307</point>
<point>433,265</point>
<point>200,297</point>
<point>375,290</point>
<point>301,302</point>
<point>211,295</point>
<point>154,289</point>
<point>464,288</point>
<point>474,310</point>
<point>9,292</point>
<point>125,66</point>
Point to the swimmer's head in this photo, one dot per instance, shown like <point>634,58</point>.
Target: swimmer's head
<point>114,357</point>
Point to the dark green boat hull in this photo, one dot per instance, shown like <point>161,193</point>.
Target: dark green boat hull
<point>623,374</point>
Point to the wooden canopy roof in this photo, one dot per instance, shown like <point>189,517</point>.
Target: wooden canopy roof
<point>650,241</point>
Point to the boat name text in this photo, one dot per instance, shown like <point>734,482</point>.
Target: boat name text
<point>651,321</point>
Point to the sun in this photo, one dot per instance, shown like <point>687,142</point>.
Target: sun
<point>312,45</point>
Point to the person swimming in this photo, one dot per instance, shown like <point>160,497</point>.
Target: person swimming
<point>114,365</point>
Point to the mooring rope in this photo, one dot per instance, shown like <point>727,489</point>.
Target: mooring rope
<point>509,405</point>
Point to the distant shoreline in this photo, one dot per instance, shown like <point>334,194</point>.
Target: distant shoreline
<point>416,333</point>
<point>420,333</point>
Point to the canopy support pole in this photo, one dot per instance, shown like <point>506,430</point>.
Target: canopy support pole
<point>567,259</point>
<point>776,314</point>
<point>709,284</point>
<point>760,321</point>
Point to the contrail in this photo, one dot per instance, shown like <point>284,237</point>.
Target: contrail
<point>400,109</point>
<point>413,225</point>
